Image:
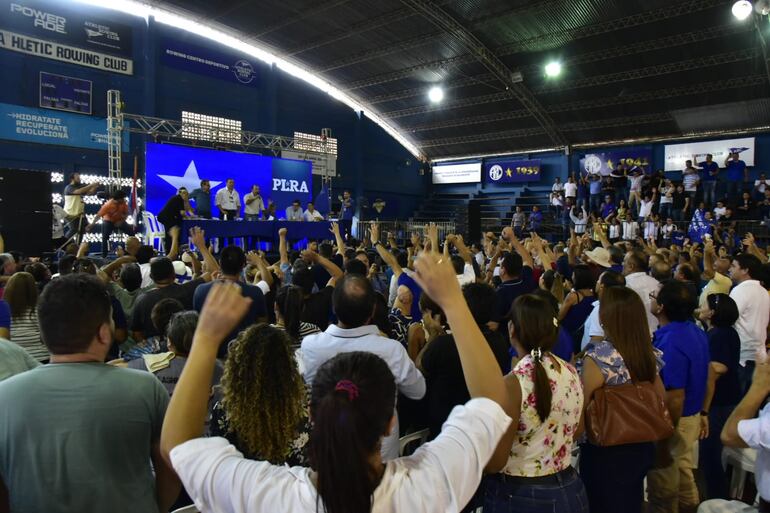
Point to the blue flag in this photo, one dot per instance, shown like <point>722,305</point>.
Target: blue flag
<point>322,200</point>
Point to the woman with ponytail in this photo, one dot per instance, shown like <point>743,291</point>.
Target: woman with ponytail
<point>289,304</point>
<point>352,404</point>
<point>538,473</point>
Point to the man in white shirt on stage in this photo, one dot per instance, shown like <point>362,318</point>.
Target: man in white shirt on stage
<point>228,201</point>
<point>311,214</point>
<point>254,205</point>
<point>294,212</point>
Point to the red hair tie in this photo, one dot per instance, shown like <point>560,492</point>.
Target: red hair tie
<point>349,387</point>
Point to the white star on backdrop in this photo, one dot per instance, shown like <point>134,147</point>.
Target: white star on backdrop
<point>190,180</point>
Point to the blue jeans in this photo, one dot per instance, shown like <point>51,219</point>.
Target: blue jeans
<point>595,202</point>
<point>709,192</point>
<point>614,476</point>
<point>506,494</point>
<point>108,228</point>
<point>664,211</point>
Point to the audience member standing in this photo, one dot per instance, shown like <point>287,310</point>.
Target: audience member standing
<point>614,475</point>
<point>113,215</point>
<point>21,295</point>
<point>570,190</point>
<point>354,303</point>
<point>595,192</point>
<point>671,484</point>
<point>578,304</point>
<point>737,173</point>
<point>723,392</point>
<point>538,470</point>
<point>753,312</point>
<point>709,178</point>
<point>96,427</point>
<point>635,267</point>
<point>74,206</point>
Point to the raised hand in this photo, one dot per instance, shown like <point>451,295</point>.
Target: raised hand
<point>282,232</point>
<point>374,232</point>
<point>252,257</point>
<point>335,229</point>
<point>437,278</point>
<point>198,236</point>
<point>223,310</point>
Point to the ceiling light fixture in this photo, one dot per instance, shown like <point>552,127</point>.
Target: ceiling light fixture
<point>436,94</point>
<point>553,69</point>
<point>742,9</point>
<point>230,38</point>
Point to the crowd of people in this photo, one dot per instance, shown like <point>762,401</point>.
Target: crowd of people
<point>630,203</point>
<point>252,382</point>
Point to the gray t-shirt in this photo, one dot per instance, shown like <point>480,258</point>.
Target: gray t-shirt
<point>77,437</point>
<point>169,376</point>
<point>14,360</point>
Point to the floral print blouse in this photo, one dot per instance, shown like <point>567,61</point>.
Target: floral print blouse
<point>544,448</point>
<point>611,363</point>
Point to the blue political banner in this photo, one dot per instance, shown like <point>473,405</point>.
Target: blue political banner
<point>604,163</point>
<point>65,93</point>
<point>220,64</point>
<point>168,167</point>
<point>512,171</point>
<point>42,126</point>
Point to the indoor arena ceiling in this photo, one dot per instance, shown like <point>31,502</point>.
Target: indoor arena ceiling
<point>631,69</point>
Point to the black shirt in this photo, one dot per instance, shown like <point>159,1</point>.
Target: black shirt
<point>677,200</point>
<point>445,379</point>
<point>321,275</point>
<point>318,308</point>
<point>170,214</point>
<point>509,290</point>
<point>141,319</point>
<point>725,348</point>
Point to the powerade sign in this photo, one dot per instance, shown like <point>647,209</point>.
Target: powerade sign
<point>42,126</point>
<point>218,64</point>
<point>168,167</point>
<point>513,171</point>
<point>55,22</point>
<point>53,31</point>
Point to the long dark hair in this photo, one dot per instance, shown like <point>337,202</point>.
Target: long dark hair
<point>290,302</point>
<point>624,319</point>
<point>21,295</point>
<point>351,405</point>
<point>537,329</point>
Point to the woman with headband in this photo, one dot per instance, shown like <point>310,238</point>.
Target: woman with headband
<point>538,473</point>
<point>351,406</point>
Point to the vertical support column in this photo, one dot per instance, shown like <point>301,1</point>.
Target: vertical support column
<point>114,138</point>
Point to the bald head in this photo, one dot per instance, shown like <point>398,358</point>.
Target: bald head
<point>353,301</point>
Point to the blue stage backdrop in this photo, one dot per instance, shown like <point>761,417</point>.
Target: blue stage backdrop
<point>169,167</point>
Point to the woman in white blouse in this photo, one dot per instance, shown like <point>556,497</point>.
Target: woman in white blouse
<point>538,475</point>
<point>352,409</point>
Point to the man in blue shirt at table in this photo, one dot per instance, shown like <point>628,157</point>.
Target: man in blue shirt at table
<point>202,199</point>
<point>736,173</point>
<point>685,371</point>
<point>709,178</point>
<point>295,212</point>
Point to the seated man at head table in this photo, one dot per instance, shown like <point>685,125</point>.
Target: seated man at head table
<point>294,212</point>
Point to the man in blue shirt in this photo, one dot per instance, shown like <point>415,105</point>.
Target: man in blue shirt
<point>684,374</point>
<point>595,190</point>
<point>709,178</point>
<point>202,199</point>
<point>609,207</point>
<point>347,211</point>
<point>535,219</point>
<point>736,173</point>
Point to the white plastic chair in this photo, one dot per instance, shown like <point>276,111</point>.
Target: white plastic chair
<point>154,231</point>
<point>405,441</point>
<point>742,461</point>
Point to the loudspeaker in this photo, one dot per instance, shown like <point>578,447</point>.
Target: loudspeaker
<point>474,220</point>
<point>25,210</point>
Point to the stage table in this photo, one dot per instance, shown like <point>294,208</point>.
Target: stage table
<point>266,230</point>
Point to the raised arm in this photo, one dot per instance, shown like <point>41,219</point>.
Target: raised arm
<point>109,269</point>
<point>437,278</point>
<point>256,259</point>
<point>516,244</point>
<point>330,267</point>
<point>198,237</point>
<point>335,229</point>
<point>223,310</point>
<point>462,249</point>
<point>282,251</point>
<point>539,245</point>
<point>749,405</point>
<point>387,256</point>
